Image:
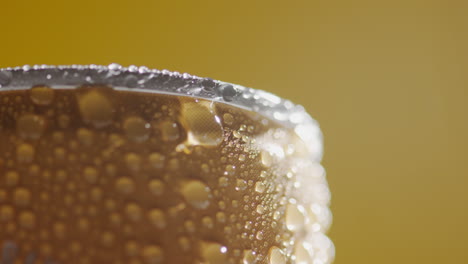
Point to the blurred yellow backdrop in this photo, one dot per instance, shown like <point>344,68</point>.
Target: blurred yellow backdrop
<point>386,79</point>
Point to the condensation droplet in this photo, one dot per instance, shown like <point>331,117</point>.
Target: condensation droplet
<point>260,209</point>
<point>250,257</point>
<point>22,196</point>
<point>6,213</point>
<point>133,212</point>
<point>207,222</point>
<point>260,187</point>
<point>228,92</point>
<point>230,170</point>
<point>241,185</point>
<point>156,187</point>
<point>303,253</point>
<point>223,181</point>
<point>157,218</point>
<point>59,230</point>
<point>213,253</point>
<point>125,185</point>
<point>11,178</point>
<point>27,220</point>
<point>277,215</point>
<point>107,239</point>
<point>131,81</point>
<point>5,77</point>
<point>259,235</point>
<point>41,95</point>
<point>25,153</point>
<point>221,217</point>
<point>202,124</point>
<point>196,194</point>
<point>184,243</point>
<point>30,126</point>
<point>276,256</point>
<point>131,248</point>
<point>114,67</point>
<point>152,254</point>
<point>267,158</point>
<point>242,157</point>
<point>136,129</point>
<point>170,130</point>
<point>156,160</point>
<point>90,174</point>
<point>228,119</point>
<point>95,108</point>
<point>85,136</point>
<point>133,162</point>
<point>295,217</point>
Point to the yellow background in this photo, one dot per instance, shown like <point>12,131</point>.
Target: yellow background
<point>386,79</point>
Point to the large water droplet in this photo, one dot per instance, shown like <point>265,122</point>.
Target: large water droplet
<point>295,217</point>
<point>202,124</point>
<point>303,253</point>
<point>196,193</point>
<point>228,92</point>
<point>276,256</point>
<point>95,107</point>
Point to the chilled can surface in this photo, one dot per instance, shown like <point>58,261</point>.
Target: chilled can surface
<point>99,171</point>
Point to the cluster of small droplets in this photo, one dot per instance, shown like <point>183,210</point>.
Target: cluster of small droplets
<point>102,175</point>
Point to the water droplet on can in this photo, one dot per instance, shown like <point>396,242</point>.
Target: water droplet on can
<point>136,129</point>
<point>5,77</point>
<point>213,253</point>
<point>152,254</point>
<point>30,126</point>
<point>295,217</point>
<point>125,185</point>
<point>228,92</point>
<point>202,124</point>
<point>170,130</point>
<point>250,257</point>
<point>196,194</point>
<point>95,107</point>
<point>157,218</point>
<point>25,153</point>
<point>276,256</point>
<point>41,95</point>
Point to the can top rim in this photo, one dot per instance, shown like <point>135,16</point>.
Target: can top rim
<point>144,79</point>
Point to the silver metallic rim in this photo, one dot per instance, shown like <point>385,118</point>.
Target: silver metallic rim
<point>144,79</point>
